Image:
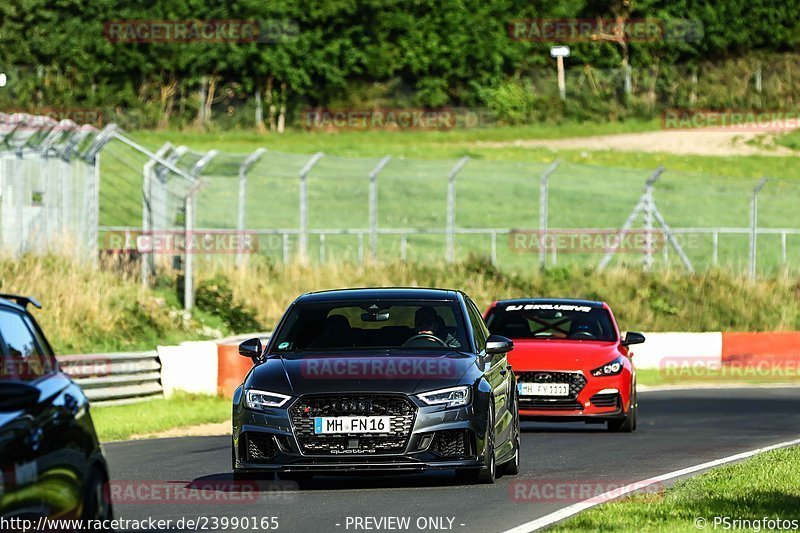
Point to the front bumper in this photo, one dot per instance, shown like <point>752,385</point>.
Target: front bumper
<point>424,438</point>
<point>591,398</point>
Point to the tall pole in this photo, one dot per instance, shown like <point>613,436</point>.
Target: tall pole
<point>188,274</point>
<point>451,209</point>
<point>373,207</point>
<point>240,222</point>
<point>544,188</point>
<point>754,224</point>
<point>562,83</point>
<point>303,248</point>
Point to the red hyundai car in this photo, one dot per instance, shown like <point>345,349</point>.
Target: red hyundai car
<point>570,361</point>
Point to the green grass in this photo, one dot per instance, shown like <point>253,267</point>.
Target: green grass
<point>742,376</point>
<point>767,485</point>
<point>789,140</point>
<point>89,310</point>
<point>118,422</point>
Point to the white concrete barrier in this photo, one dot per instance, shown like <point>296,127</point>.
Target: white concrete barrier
<point>189,367</point>
<point>677,349</point>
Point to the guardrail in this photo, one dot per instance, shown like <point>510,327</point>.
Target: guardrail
<point>115,377</point>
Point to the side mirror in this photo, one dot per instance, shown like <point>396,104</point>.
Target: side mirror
<point>17,396</point>
<point>632,338</point>
<point>498,344</point>
<point>251,348</point>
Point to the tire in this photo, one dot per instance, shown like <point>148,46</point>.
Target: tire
<point>97,498</point>
<point>511,468</point>
<point>627,424</point>
<point>488,473</point>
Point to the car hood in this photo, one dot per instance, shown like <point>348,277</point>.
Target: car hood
<point>402,371</point>
<point>556,354</point>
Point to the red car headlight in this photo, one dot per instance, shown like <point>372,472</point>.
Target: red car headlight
<point>609,369</point>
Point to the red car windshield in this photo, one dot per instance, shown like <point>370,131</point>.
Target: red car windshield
<point>551,321</point>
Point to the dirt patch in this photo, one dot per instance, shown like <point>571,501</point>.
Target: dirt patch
<point>201,430</point>
<point>715,143</point>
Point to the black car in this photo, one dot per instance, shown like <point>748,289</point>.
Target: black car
<point>400,379</point>
<point>51,463</point>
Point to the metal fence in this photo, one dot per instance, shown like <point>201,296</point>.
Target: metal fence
<point>116,377</point>
<point>323,208</point>
<point>49,185</point>
<point>164,207</point>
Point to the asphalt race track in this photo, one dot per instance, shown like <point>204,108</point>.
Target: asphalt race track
<point>677,429</point>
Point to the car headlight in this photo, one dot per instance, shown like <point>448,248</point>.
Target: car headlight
<point>451,397</point>
<point>259,399</point>
<point>609,369</point>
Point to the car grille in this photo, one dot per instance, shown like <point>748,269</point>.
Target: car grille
<point>259,448</point>
<point>605,400</point>
<point>398,407</point>
<point>451,443</point>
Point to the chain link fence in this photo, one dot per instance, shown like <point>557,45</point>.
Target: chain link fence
<point>174,206</point>
<point>321,208</point>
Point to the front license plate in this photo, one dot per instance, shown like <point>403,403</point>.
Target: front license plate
<point>543,389</point>
<point>352,424</point>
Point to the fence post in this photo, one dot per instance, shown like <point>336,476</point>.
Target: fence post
<point>544,191</point>
<point>715,248</point>
<point>321,248</point>
<point>189,223</point>
<point>240,221</point>
<point>373,207</point>
<point>94,215</point>
<point>451,209</point>
<point>754,225</point>
<point>494,248</point>
<point>303,245</point>
<point>648,223</point>
<point>783,248</point>
<point>148,262</point>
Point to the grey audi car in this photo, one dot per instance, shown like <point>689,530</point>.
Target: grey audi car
<point>386,379</point>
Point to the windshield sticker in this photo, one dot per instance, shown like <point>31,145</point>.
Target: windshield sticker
<point>551,307</point>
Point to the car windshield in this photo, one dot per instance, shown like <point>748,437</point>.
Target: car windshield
<point>363,325</point>
<point>551,321</point>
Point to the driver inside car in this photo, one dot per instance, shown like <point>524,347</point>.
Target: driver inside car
<point>428,322</point>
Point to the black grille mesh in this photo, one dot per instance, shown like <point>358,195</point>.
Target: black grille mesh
<point>605,400</point>
<point>451,443</point>
<point>399,408</point>
<point>260,448</point>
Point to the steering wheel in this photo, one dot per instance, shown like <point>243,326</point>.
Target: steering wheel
<point>425,336</point>
<point>583,335</point>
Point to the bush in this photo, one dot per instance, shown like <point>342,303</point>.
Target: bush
<point>512,101</point>
<point>215,296</point>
